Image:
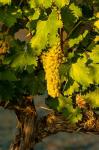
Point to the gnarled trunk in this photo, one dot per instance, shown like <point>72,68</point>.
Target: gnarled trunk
<point>26,128</point>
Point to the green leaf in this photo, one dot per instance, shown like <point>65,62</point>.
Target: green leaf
<point>75,115</point>
<point>34,84</point>
<point>34,16</point>
<point>23,59</point>
<point>39,41</point>
<point>71,89</point>
<point>40,3</point>
<point>7,75</point>
<point>66,107</point>
<point>32,3</point>
<point>64,68</point>
<point>48,3</point>
<point>75,10</point>
<point>94,54</point>
<point>62,103</point>
<point>94,69</point>
<point>52,103</point>
<point>78,39</point>
<point>68,19</point>
<point>6,90</point>
<point>81,73</point>
<point>4,2</point>
<point>52,33</point>
<point>9,16</point>
<point>93,98</point>
<point>46,33</point>
<point>61,3</point>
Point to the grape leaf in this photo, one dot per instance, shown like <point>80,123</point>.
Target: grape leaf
<point>9,16</point>
<point>61,3</point>
<point>46,33</point>
<point>4,2</point>
<point>77,40</point>
<point>23,59</point>
<point>75,115</point>
<point>40,3</point>
<point>34,84</point>
<point>7,75</point>
<point>94,54</point>
<point>93,98</point>
<point>53,19</point>
<point>81,73</point>
<point>35,15</point>
<point>6,91</point>
<point>64,103</point>
<point>94,69</point>
<point>65,106</point>
<point>68,19</point>
<point>71,89</point>
<point>75,10</point>
<point>39,41</point>
<point>48,3</point>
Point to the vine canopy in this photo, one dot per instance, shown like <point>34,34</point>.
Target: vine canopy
<point>65,32</point>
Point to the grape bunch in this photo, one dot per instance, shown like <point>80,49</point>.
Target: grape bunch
<point>81,103</point>
<point>52,60</point>
<point>4,47</point>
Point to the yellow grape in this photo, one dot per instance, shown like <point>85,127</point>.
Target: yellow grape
<point>52,60</point>
<point>4,47</point>
<point>89,124</point>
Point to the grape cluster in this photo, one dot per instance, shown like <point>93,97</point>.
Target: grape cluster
<point>80,102</point>
<point>90,122</point>
<point>4,47</point>
<point>52,60</point>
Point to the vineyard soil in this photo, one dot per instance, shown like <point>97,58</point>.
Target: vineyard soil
<point>57,141</point>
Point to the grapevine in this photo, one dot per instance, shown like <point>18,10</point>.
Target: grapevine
<point>49,47</point>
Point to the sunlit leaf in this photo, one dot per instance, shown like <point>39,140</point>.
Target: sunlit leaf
<point>93,98</point>
<point>76,10</point>
<point>81,73</point>
<point>5,2</point>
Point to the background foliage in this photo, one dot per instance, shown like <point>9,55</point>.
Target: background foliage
<point>76,23</point>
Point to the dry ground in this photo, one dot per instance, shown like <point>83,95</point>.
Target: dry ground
<point>60,141</point>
